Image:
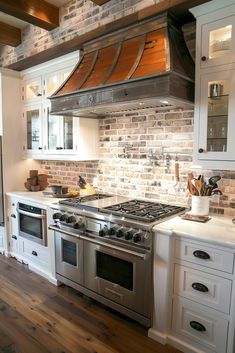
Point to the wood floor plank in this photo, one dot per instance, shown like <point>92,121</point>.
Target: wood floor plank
<point>38,317</point>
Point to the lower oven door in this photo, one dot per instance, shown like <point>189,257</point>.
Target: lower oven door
<point>122,277</point>
<point>69,257</point>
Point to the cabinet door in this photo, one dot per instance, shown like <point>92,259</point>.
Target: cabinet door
<point>216,122</point>
<point>33,127</point>
<point>218,42</point>
<point>32,89</point>
<point>59,133</point>
<point>53,81</point>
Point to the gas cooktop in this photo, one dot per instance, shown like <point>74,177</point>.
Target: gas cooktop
<point>144,211</point>
<point>81,200</point>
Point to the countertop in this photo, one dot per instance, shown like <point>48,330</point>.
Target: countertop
<point>219,230</point>
<point>34,196</point>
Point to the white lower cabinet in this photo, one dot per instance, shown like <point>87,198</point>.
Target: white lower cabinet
<point>37,256</point>
<point>200,326</point>
<point>194,294</point>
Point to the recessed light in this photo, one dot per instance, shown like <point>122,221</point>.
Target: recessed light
<point>164,102</point>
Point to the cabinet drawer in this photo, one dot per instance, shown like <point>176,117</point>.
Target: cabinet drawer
<point>204,327</point>
<point>204,288</point>
<point>204,256</point>
<point>35,253</point>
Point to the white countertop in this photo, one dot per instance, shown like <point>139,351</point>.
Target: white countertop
<point>218,230</point>
<point>34,196</point>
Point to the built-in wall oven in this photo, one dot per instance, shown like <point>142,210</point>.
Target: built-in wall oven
<point>32,223</point>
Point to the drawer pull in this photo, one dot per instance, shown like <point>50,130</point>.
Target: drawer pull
<point>14,237</point>
<point>34,253</point>
<point>201,254</point>
<point>197,326</point>
<point>13,215</point>
<point>200,287</point>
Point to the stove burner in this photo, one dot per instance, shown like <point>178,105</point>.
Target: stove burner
<point>143,211</point>
<point>76,201</point>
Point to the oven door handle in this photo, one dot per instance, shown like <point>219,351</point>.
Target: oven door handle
<point>114,247</point>
<point>30,214</point>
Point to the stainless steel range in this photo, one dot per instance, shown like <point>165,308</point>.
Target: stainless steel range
<point>104,249</point>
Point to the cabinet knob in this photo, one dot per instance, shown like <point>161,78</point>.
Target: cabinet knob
<point>13,215</point>
<point>40,148</point>
<point>200,287</point>
<point>34,253</point>
<point>203,58</point>
<point>201,150</point>
<point>201,254</point>
<point>197,326</point>
<point>14,237</point>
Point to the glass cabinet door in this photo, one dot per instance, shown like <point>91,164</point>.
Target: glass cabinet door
<point>216,121</point>
<point>218,42</point>
<point>68,140</point>
<point>53,81</point>
<point>33,128</point>
<point>32,89</point>
<point>53,132</point>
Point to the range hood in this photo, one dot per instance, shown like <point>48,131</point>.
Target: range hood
<point>143,66</point>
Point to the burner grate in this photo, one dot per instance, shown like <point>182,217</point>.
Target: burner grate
<point>77,201</point>
<point>143,211</point>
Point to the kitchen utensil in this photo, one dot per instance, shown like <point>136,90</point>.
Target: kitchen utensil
<point>213,180</point>
<point>197,184</point>
<point>216,192</point>
<point>81,182</point>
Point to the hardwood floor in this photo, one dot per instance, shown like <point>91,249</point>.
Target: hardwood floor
<point>37,317</point>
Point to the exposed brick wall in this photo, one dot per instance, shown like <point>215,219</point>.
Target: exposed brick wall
<point>138,154</point>
<point>76,18</point>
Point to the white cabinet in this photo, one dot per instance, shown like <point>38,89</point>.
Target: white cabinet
<point>215,90</point>
<point>12,228</point>
<point>194,293</point>
<point>48,136</point>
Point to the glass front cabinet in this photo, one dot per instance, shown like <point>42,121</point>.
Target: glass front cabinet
<point>218,42</point>
<point>33,127</point>
<point>216,112</point>
<point>214,142</point>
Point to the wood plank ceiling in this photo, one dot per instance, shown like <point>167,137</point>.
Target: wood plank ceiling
<point>36,12</point>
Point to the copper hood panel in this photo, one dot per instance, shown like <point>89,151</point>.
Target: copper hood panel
<point>144,65</point>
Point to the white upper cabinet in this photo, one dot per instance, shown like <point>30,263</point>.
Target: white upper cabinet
<point>214,123</point>
<point>218,42</point>
<point>48,136</point>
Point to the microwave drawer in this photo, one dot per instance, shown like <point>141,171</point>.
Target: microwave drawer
<point>203,255</point>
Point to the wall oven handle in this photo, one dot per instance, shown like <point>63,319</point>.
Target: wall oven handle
<point>114,247</point>
<point>30,214</point>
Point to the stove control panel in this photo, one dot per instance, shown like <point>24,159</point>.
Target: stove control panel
<point>103,229</point>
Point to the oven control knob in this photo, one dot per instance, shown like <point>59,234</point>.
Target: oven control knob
<point>103,232</point>
<point>120,232</point>
<point>79,224</point>
<point>137,237</point>
<point>57,215</point>
<point>129,234</point>
<point>71,219</point>
<point>112,231</point>
<point>64,217</point>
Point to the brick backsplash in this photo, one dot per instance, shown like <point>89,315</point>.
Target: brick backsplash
<point>138,152</point>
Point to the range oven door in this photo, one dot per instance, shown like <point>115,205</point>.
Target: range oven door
<point>69,257</point>
<point>124,278</point>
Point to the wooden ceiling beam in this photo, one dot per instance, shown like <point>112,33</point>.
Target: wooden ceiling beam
<point>178,7</point>
<point>37,12</point>
<point>9,35</point>
<point>100,2</point>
